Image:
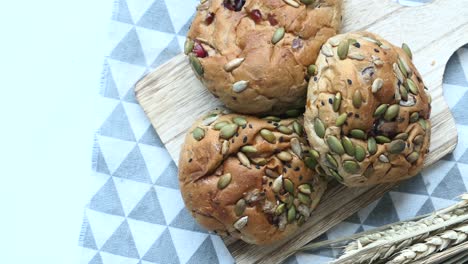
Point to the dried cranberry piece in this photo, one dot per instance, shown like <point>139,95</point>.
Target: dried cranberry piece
<point>209,18</point>
<point>256,16</point>
<point>272,20</point>
<point>198,49</point>
<point>234,5</point>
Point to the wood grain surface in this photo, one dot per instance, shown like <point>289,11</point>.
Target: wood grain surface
<point>173,99</point>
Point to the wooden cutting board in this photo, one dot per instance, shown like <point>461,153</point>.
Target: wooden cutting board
<point>173,99</point>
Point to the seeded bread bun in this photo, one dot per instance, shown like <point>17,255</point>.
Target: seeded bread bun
<point>253,55</point>
<point>367,112</point>
<point>247,177</point>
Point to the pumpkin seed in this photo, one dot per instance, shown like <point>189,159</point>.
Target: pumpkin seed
<point>310,162</point>
<point>241,223</point>
<point>332,161</point>
<point>413,157</point>
<point>293,113</point>
<point>348,146</point>
<point>285,130</point>
<point>284,156</point>
<point>352,41</point>
<point>220,125</point>
<point>384,158</point>
<point>375,41</point>
<point>403,93</point>
<point>351,166</point>
<point>308,2</point>
<point>240,86</point>
<point>298,129</point>
<point>249,149</point>
<point>314,154</point>
<point>240,207</point>
<point>402,67</point>
<point>341,119</point>
<point>233,64</point>
<point>296,147</point>
<point>312,70</point>
<point>381,110</point>
<point>377,85</point>
<point>196,64</point>
<point>402,136</point>
<point>392,112</point>
<point>303,198</point>
<point>407,50</point>
<point>423,123</point>
<point>414,117</point>
<point>372,146</point>
<point>259,161</point>
<point>291,214</point>
<point>279,33</point>
<point>319,127</point>
<point>228,131</point>
<point>360,153</point>
<point>358,133</point>
<point>418,140</point>
<point>327,50</point>
<point>198,134</point>
<point>288,186</point>
<point>396,146</point>
<point>271,173</point>
<point>272,118</point>
<point>305,188</point>
<point>225,147</point>
<point>268,135</point>
<point>382,139</point>
<point>301,220</point>
<point>343,49</point>
<point>357,99</point>
<point>277,184</point>
<point>240,121</point>
<point>337,102</point>
<point>224,181</point>
<point>243,159</point>
<point>336,175</point>
<point>412,87</point>
<point>398,73</point>
<point>289,200</point>
<point>280,209</point>
<point>188,46</point>
<point>209,119</point>
<point>335,145</point>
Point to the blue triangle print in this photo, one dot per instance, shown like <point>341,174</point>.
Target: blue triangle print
<point>169,52</point>
<point>169,178</point>
<point>353,219</point>
<point>122,13</point>
<point>121,242</point>
<point>204,254</point>
<point>459,111</point>
<point>133,167</point>
<point>106,200</point>
<point>163,250</point>
<point>151,138</point>
<point>325,251</point>
<point>100,163</point>
<point>109,88</point>
<point>157,18</point>
<point>117,125</point>
<point>130,97</point>
<point>427,208</point>
<point>451,186</point>
<point>383,213</point>
<point>464,157</point>
<point>87,241</point>
<point>184,30</point>
<point>359,230</point>
<point>414,185</point>
<point>148,209</point>
<point>96,259</point>
<point>449,157</point>
<point>291,260</point>
<point>129,50</point>
<point>184,220</point>
<point>454,73</point>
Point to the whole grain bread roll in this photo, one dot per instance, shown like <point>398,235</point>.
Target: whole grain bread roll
<point>247,177</point>
<point>367,112</point>
<point>253,55</point>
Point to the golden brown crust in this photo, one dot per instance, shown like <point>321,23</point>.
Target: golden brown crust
<point>369,76</point>
<point>202,167</point>
<point>276,73</point>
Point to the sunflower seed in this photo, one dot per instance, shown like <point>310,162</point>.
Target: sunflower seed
<point>243,159</point>
<point>429,98</point>
<point>240,121</point>
<point>402,136</point>
<point>348,146</point>
<point>198,134</point>
<point>397,94</point>
<point>372,146</point>
<point>225,147</point>
<point>240,207</point>
<point>378,62</point>
<point>319,127</point>
<point>279,33</point>
<point>380,110</point>
<point>228,131</point>
<point>288,186</point>
<point>356,56</point>
<point>241,223</point>
<point>291,214</point>
<point>398,73</point>
<point>392,112</point>
<point>292,3</point>
<point>413,157</point>
<point>357,99</point>
<point>412,87</point>
<point>418,140</point>
<point>384,158</point>
<point>327,50</point>
<point>188,46</point>
<point>312,70</point>
<point>224,181</point>
<point>296,147</point>
<point>396,146</point>
<point>271,173</point>
<point>423,124</point>
<point>407,50</point>
<point>359,134</point>
<point>277,184</point>
<point>249,149</point>
<point>341,119</point>
<point>240,86</point>
<point>233,64</point>
<point>414,117</point>
<point>337,102</point>
<point>280,209</point>
<point>305,188</point>
<point>410,102</point>
<point>220,125</point>
<point>360,153</point>
<point>335,145</point>
<point>209,120</point>
<point>268,135</point>
<point>298,129</point>
<point>196,65</point>
<point>343,49</point>
<point>377,85</point>
<point>382,139</point>
<point>285,130</point>
<point>351,166</point>
<point>403,93</point>
<point>336,175</point>
<point>303,198</point>
<point>284,156</point>
<point>332,161</point>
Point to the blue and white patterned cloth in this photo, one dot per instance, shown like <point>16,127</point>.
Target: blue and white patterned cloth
<point>137,214</point>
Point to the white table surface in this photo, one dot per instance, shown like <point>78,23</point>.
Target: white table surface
<point>51,55</point>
